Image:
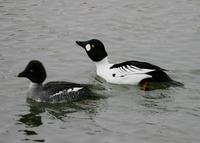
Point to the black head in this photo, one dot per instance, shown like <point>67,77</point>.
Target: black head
<point>34,71</point>
<point>94,48</point>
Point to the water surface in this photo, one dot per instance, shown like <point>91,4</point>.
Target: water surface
<point>165,33</point>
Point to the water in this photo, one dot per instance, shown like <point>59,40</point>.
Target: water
<point>165,33</point>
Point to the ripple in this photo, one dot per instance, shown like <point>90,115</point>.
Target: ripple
<point>195,72</point>
<point>38,140</point>
<point>164,33</point>
<point>28,132</point>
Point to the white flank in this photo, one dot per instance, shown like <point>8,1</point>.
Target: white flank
<point>69,90</point>
<point>74,89</point>
<point>77,88</point>
<point>60,92</point>
<point>128,74</point>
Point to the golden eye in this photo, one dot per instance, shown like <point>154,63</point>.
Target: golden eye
<point>92,46</point>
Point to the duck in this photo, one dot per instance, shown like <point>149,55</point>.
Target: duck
<point>51,92</point>
<point>128,72</point>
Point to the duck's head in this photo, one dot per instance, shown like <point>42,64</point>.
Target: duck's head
<point>34,71</point>
<point>94,48</point>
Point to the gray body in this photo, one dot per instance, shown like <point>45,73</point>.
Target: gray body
<point>56,92</point>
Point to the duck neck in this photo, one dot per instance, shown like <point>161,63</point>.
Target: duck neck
<point>35,85</point>
<point>101,65</point>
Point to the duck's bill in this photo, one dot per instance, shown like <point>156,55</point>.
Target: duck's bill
<point>82,43</point>
<point>22,74</point>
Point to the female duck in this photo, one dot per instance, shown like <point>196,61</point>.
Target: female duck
<point>55,91</point>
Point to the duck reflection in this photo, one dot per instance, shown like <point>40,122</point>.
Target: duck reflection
<point>58,110</point>
<point>32,119</point>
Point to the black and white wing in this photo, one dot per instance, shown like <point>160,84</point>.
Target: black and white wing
<point>59,91</point>
<point>132,65</point>
<point>135,67</point>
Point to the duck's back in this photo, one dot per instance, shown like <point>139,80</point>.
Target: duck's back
<point>60,91</point>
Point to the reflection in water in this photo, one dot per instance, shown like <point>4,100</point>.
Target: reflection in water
<point>34,140</point>
<point>32,119</point>
<point>28,132</point>
<point>158,105</point>
<point>154,95</point>
<point>59,111</point>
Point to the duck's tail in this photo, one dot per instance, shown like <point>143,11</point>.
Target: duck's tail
<point>158,80</point>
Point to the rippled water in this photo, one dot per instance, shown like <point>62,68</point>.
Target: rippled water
<point>165,33</point>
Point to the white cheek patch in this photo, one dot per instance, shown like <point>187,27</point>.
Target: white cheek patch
<point>88,47</point>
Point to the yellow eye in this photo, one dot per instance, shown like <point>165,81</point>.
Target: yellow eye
<point>92,46</point>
